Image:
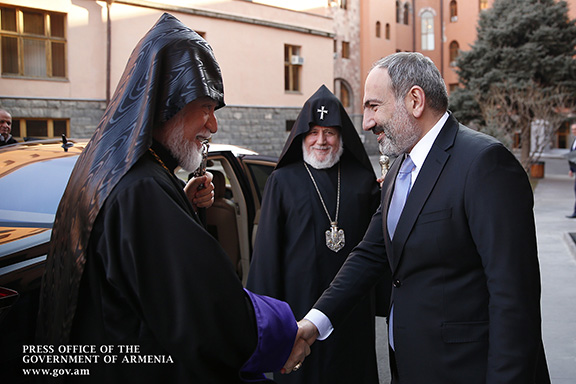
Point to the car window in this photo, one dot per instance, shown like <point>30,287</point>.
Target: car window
<point>260,173</point>
<point>32,193</point>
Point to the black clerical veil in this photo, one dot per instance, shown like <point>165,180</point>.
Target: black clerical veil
<point>170,67</point>
<point>324,109</point>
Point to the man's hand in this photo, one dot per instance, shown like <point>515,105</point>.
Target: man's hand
<point>307,334</point>
<point>200,191</point>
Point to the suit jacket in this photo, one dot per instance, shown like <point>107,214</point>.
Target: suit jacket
<point>464,267</point>
<point>572,164</point>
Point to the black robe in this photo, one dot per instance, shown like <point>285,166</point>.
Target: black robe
<point>129,263</point>
<point>291,261</point>
<point>172,292</point>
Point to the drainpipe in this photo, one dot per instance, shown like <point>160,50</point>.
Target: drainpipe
<point>414,25</point>
<point>442,38</point>
<point>108,49</point>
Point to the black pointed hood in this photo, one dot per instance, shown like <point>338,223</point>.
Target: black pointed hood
<point>324,109</point>
<point>170,67</point>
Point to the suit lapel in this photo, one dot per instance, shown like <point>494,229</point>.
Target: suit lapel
<point>421,190</point>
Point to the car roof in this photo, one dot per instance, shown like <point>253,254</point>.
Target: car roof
<point>236,150</point>
<point>77,145</point>
<point>17,156</point>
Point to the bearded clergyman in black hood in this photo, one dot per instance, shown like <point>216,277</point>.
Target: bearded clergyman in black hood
<point>130,263</point>
<point>316,207</point>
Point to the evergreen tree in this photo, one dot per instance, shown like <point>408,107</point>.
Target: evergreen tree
<point>521,45</point>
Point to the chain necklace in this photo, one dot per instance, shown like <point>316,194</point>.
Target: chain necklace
<point>159,160</point>
<point>334,236</point>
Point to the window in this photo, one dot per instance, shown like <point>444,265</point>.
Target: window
<point>292,68</point>
<point>562,139</point>
<point>483,4</point>
<point>33,43</point>
<point>344,92</point>
<point>406,14</point>
<point>397,11</point>
<point>387,31</point>
<point>345,95</point>
<point>378,29</point>
<point>338,3</point>
<point>453,11</point>
<point>40,128</point>
<point>454,51</point>
<point>345,50</point>
<point>427,31</point>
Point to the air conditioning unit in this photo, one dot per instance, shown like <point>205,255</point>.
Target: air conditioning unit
<point>296,60</point>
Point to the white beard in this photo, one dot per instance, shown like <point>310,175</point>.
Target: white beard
<point>188,154</point>
<point>329,161</point>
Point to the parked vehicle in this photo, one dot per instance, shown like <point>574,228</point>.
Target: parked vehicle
<point>33,176</point>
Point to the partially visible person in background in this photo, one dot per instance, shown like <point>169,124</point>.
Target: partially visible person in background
<point>572,166</point>
<point>6,128</point>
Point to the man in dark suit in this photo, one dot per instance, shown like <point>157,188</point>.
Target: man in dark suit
<point>572,166</point>
<point>465,302</point>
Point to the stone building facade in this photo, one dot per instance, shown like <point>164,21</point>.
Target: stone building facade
<point>82,116</point>
<point>264,129</point>
<point>338,41</point>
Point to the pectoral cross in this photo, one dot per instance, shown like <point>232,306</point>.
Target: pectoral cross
<point>322,111</point>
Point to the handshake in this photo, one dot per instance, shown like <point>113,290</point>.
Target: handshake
<point>307,334</point>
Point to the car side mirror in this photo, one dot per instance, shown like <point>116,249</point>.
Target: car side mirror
<point>7,298</point>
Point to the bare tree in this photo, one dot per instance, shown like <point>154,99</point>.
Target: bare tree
<point>528,111</point>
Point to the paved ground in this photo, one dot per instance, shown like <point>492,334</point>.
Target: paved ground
<point>554,199</point>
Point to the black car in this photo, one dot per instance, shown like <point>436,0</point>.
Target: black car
<point>33,176</point>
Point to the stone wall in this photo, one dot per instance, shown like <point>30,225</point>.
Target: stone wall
<point>262,129</point>
<point>84,115</point>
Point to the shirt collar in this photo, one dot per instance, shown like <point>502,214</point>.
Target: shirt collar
<point>422,147</point>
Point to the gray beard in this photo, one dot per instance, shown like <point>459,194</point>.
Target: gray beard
<point>399,146</point>
<point>188,154</point>
<point>331,160</point>
<point>401,133</point>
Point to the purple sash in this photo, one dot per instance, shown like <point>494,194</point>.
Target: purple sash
<point>277,330</point>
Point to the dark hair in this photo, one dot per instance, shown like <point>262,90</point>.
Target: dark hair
<point>407,69</point>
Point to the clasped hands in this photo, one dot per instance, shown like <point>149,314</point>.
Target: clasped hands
<point>307,334</point>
